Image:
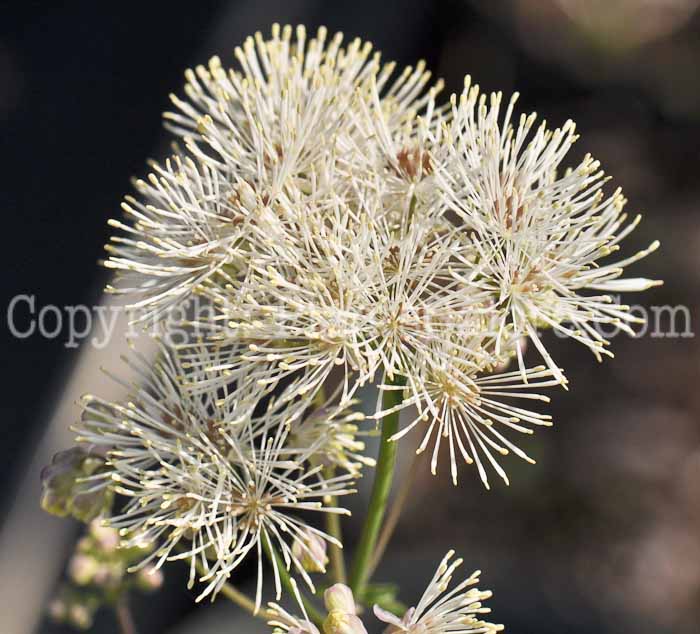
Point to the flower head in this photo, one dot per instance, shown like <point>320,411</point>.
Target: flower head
<point>538,232</point>
<point>466,406</point>
<point>281,113</point>
<point>202,482</point>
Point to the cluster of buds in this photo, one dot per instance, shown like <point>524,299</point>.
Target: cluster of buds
<point>73,608</point>
<point>97,576</point>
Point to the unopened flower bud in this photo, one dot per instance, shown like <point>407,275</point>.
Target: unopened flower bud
<point>109,574</point>
<point>310,550</point>
<point>86,506</point>
<point>102,576</point>
<point>343,623</point>
<point>338,598</point>
<point>106,538</point>
<point>57,609</point>
<point>58,479</point>
<point>63,491</point>
<point>82,568</point>
<point>150,578</point>
<point>80,616</point>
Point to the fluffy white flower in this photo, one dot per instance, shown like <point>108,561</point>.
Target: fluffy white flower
<point>400,136</point>
<point>538,232</point>
<point>416,302</point>
<point>464,405</point>
<point>274,120</point>
<point>344,225</point>
<point>346,288</point>
<point>301,307</point>
<point>202,482</point>
<point>186,224</point>
<point>441,610</point>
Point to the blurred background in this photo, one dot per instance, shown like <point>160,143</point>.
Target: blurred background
<point>603,534</point>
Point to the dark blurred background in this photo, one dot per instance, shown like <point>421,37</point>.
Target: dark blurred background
<point>603,534</point>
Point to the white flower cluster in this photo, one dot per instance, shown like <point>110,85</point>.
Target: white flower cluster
<point>210,480</point>
<point>340,220</point>
<point>346,229</point>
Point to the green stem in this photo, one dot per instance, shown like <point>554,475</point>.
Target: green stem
<point>334,529</point>
<point>383,476</point>
<point>286,580</point>
<point>392,517</point>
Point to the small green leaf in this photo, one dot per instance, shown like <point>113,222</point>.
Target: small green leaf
<point>385,596</point>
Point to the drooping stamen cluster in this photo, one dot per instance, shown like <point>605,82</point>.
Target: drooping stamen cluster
<point>441,610</point>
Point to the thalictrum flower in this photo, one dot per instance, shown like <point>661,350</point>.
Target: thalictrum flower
<point>203,482</point>
<point>442,610</point>
<point>539,231</point>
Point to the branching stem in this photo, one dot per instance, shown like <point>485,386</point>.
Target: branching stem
<point>334,529</point>
<point>394,514</point>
